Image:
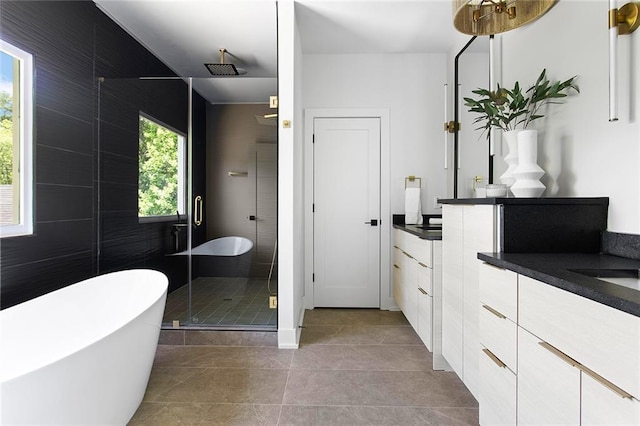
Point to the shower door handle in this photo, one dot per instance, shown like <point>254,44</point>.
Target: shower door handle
<point>197,211</point>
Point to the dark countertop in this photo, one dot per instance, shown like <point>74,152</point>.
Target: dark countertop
<point>527,201</point>
<point>432,233</point>
<point>555,269</point>
<point>429,232</point>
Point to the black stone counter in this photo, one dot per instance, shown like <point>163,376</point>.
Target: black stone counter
<point>529,201</point>
<point>556,269</point>
<point>425,234</point>
<point>425,231</point>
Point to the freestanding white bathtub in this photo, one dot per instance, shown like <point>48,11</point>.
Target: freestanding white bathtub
<point>222,257</point>
<point>81,354</point>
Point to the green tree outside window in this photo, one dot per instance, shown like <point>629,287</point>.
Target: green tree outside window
<point>159,180</point>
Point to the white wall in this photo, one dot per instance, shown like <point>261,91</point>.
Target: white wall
<point>410,87</point>
<point>582,153</point>
<point>290,183</point>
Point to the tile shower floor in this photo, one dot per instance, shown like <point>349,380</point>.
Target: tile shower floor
<point>353,367</point>
<point>223,301</point>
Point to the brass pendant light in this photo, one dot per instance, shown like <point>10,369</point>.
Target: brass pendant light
<point>486,17</point>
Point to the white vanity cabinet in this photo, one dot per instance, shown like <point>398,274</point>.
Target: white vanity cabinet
<point>574,360</point>
<point>417,266</point>
<point>467,230</point>
<point>498,295</point>
<point>603,343</point>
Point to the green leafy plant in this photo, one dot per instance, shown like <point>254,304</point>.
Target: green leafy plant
<point>512,109</point>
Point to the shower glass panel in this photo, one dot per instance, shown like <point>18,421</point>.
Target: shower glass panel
<point>232,283</point>
<point>142,211</point>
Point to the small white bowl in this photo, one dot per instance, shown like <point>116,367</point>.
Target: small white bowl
<point>496,190</point>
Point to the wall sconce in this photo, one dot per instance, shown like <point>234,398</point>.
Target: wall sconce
<point>621,22</point>
<point>486,17</point>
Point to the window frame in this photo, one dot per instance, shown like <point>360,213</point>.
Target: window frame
<point>182,173</point>
<point>25,175</point>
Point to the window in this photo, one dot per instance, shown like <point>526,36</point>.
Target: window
<point>161,170</point>
<point>16,118</point>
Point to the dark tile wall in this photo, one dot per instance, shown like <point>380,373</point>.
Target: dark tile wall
<point>85,149</point>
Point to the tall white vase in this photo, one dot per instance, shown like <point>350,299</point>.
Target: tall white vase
<point>511,158</point>
<point>528,173</point>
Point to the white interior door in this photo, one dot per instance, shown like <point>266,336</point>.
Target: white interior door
<point>346,231</point>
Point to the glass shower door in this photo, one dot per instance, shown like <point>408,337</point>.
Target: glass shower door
<point>141,205</point>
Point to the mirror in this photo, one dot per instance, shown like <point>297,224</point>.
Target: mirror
<point>473,163</point>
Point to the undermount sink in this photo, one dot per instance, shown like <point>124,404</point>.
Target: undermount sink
<point>625,277</point>
<point>428,227</point>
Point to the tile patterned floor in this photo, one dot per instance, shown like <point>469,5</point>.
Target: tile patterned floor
<point>353,367</point>
<point>223,301</point>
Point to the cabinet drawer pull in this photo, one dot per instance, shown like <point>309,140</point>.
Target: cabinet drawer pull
<point>422,291</point>
<point>407,254</point>
<point>557,352</point>
<point>422,264</point>
<point>598,378</point>
<point>493,266</point>
<point>396,266</point>
<point>494,358</point>
<point>494,312</point>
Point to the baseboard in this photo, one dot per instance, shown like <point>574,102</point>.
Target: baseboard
<point>290,338</point>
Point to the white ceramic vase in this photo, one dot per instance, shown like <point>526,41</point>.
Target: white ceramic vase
<point>511,158</point>
<point>528,173</point>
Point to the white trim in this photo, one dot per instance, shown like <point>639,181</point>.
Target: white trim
<point>25,225</point>
<point>386,291</point>
<point>290,338</point>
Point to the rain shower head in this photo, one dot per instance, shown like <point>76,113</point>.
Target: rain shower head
<point>224,69</point>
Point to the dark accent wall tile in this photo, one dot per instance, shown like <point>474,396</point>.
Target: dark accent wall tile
<point>120,140</point>
<point>119,169</point>
<point>29,280</point>
<point>65,96</point>
<point>63,167</point>
<point>119,196</point>
<point>62,131</point>
<point>57,202</point>
<point>82,124</point>
<point>50,240</point>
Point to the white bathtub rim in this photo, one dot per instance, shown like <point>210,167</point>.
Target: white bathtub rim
<point>45,358</point>
<point>246,242</point>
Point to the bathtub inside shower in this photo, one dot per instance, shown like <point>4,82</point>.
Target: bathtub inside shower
<point>222,257</point>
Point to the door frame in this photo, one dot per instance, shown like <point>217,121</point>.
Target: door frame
<point>310,114</point>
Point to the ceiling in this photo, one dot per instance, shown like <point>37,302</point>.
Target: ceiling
<point>185,34</point>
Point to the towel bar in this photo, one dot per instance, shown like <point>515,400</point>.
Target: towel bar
<point>412,179</point>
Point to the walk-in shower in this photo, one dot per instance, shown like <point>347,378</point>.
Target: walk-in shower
<point>232,217</point>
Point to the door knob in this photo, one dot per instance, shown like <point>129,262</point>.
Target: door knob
<point>373,222</point>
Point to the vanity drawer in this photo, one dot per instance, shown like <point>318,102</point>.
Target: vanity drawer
<point>425,278</point>
<point>599,337</point>
<point>499,290</point>
<point>420,250</point>
<point>499,335</point>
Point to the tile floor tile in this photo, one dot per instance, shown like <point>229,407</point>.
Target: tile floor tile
<point>395,388</point>
<point>179,413</point>
<point>362,357</point>
<point>255,386</point>
<point>358,415</point>
<point>223,357</point>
